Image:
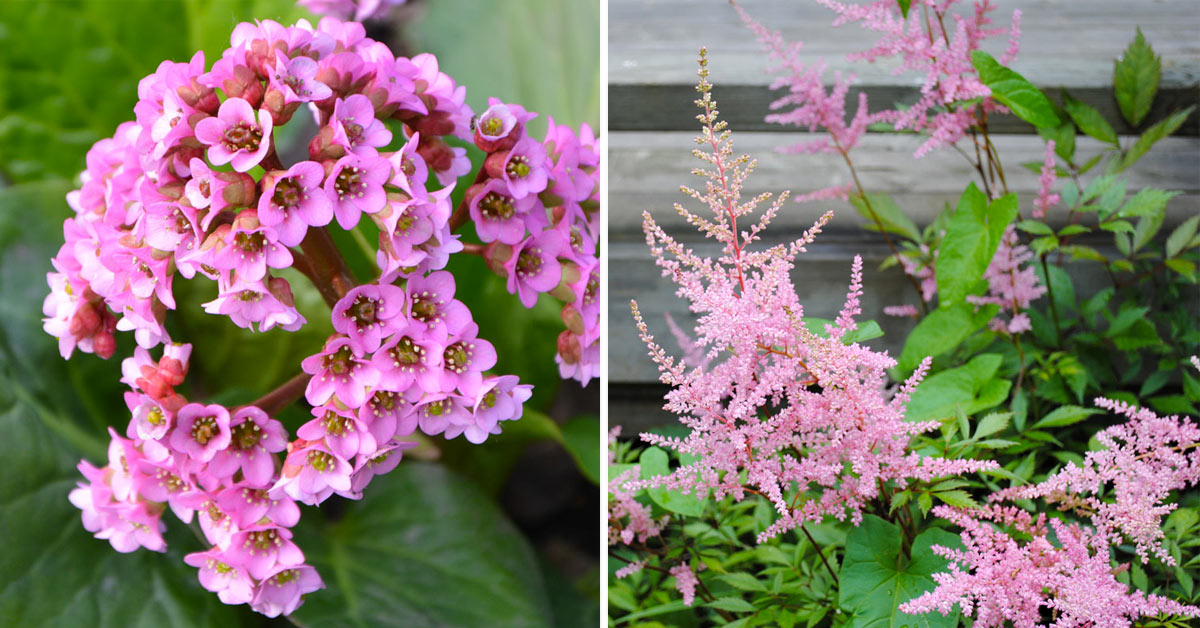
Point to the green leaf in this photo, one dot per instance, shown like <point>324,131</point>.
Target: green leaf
<point>970,243</point>
<point>654,463</point>
<point>1163,128</point>
<point>866,330</point>
<point>941,331</point>
<point>1089,120</point>
<point>1182,234</point>
<point>904,6</point>
<point>1147,201</point>
<point>1147,227</point>
<point>969,388</point>
<point>1063,416</point>
<point>742,581</point>
<point>1183,267</point>
<point>1035,227</point>
<point>957,498</point>
<point>1012,90</point>
<point>581,437</point>
<point>732,604</point>
<point>881,208</point>
<point>991,424</point>
<point>876,578</point>
<point>423,547</point>
<point>1135,79</point>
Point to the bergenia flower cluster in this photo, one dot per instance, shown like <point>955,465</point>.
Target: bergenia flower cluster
<point>801,419</point>
<point>196,186</point>
<point>1015,566</point>
<point>206,462</point>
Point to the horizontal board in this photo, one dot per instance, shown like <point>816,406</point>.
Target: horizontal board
<point>653,46</point>
<point>646,170</point>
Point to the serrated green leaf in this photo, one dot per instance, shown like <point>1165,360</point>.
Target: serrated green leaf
<point>1145,230</point>
<point>1063,416</point>
<point>1071,230</point>
<point>1117,226</point>
<point>991,424</point>
<point>996,443</point>
<point>967,387</point>
<point>1012,90</point>
<point>904,6</point>
<point>1135,79</point>
<point>1147,201</point>
<point>1181,235</point>
<point>1152,136</point>
<point>956,498</point>
<point>1089,120</point>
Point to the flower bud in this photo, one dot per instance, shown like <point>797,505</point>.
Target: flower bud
<point>572,319</point>
<point>496,255</point>
<point>85,322</point>
<point>244,84</point>
<point>322,147</point>
<point>104,345</point>
<point>240,189</point>
<point>497,129</point>
<point>569,348</point>
<point>570,275</point>
<point>494,164</point>
<point>282,290</point>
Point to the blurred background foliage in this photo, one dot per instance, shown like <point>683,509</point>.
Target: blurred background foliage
<point>499,534</point>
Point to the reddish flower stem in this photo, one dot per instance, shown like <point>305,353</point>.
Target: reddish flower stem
<point>324,265</point>
<point>462,213</point>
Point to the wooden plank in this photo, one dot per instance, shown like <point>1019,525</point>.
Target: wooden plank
<point>653,44</point>
<point>646,170</point>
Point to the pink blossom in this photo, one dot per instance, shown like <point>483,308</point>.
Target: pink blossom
<point>498,216</point>
<point>312,473</point>
<point>293,201</point>
<point>201,431</point>
<point>685,582</point>
<point>253,438</point>
<point>230,582</point>
<point>409,357</point>
<point>236,135</point>
<point>294,79</point>
<point>534,266</point>
<point>355,127</point>
<point>1046,198</point>
<point>341,431</point>
<point>339,369</point>
<point>282,591</point>
<point>355,185</point>
<point>268,304</point>
<point>369,313</point>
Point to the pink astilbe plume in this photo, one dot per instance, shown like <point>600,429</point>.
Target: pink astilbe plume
<point>1010,286</point>
<point>1014,566</point>
<point>931,41</point>
<point>1045,198</point>
<point>801,419</point>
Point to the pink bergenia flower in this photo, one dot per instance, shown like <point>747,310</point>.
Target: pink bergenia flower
<point>410,357</point>
<point>523,167</point>
<point>295,80</point>
<point>248,248</point>
<point>263,549</point>
<point>249,505</point>
<point>432,306</point>
<point>253,438</point>
<point>312,473</point>
<point>293,201</point>
<point>369,313</point>
<point>464,359</point>
<point>230,582</point>
<point>341,430</point>
<point>382,461</point>
<point>339,368</point>
<point>268,304</point>
<point>533,267</point>
<point>201,431</point>
<point>236,135</point>
<point>496,399</point>
<point>501,126</point>
<point>282,591</point>
<point>498,216</point>
<point>355,127</point>
<point>355,185</point>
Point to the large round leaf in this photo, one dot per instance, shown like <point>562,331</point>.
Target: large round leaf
<point>423,548</point>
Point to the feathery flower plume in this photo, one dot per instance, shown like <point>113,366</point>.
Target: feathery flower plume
<point>804,419</point>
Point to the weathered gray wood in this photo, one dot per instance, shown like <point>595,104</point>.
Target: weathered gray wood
<point>1072,44</point>
<point>646,170</point>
